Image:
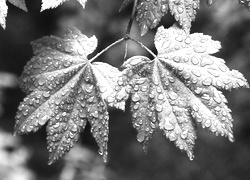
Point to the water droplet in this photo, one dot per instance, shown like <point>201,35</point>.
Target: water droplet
<point>140,136</point>
<point>188,40</point>
<point>196,72</point>
<point>94,114</point>
<point>207,81</point>
<point>172,95</point>
<point>208,123</point>
<point>135,97</point>
<point>172,136</point>
<point>158,107</point>
<point>206,61</point>
<point>214,72</point>
<point>199,49</point>
<point>194,60</point>
<point>160,96</point>
<point>168,126</point>
<point>46,94</point>
<point>205,97</point>
<point>184,134</point>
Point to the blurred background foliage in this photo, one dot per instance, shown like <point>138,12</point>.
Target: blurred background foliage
<point>26,157</point>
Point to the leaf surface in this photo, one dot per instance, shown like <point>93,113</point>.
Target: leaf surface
<point>4,9</point>
<point>48,4</point>
<point>66,90</point>
<point>179,88</point>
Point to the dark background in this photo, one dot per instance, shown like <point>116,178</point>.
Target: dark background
<point>215,157</point>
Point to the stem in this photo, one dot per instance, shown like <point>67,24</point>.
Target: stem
<point>130,23</point>
<point>107,48</point>
<point>143,46</point>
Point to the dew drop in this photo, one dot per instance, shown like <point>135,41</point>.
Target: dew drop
<point>207,81</point>
<point>208,123</point>
<point>172,95</point>
<point>172,136</point>
<point>158,107</point>
<point>199,49</point>
<point>140,136</point>
<point>196,72</point>
<point>135,97</point>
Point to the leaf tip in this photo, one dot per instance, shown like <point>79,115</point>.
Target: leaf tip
<point>190,155</point>
<point>231,137</point>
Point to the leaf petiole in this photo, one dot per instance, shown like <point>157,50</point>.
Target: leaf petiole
<point>142,45</point>
<point>107,48</point>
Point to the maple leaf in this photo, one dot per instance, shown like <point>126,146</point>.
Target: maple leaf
<point>4,9</point>
<point>66,90</point>
<point>179,88</point>
<point>48,4</point>
<point>246,3</point>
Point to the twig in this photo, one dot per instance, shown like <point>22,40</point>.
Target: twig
<point>131,18</point>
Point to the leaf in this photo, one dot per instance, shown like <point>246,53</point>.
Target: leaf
<point>4,9</point>
<point>66,90</point>
<point>149,13</point>
<point>246,3</point>
<point>179,88</point>
<point>184,12</point>
<point>48,4</point>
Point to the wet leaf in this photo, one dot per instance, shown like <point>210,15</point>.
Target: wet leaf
<point>48,4</point>
<point>4,9</point>
<point>66,90</point>
<point>179,88</point>
<point>246,3</point>
<point>184,12</point>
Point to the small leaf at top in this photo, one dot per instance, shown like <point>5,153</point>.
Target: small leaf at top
<point>184,12</point>
<point>4,9</point>
<point>48,4</point>
<point>66,90</point>
<point>179,88</point>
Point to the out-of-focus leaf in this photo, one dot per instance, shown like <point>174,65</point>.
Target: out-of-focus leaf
<point>66,90</point>
<point>179,88</point>
<point>48,4</point>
